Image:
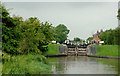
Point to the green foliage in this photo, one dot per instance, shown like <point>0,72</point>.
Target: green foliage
<point>61,33</point>
<point>111,37</point>
<point>77,39</point>
<point>90,38</point>
<point>107,50</point>
<point>118,14</point>
<point>23,37</point>
<point>0,25</point>
<point>32,34</point>
<point>48,31</point>
<point>0,68</point>
<point>10,35</point>
<point>117,36</point>
<point>26,64</point>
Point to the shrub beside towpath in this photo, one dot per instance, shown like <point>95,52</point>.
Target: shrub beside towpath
<point>25,64</point>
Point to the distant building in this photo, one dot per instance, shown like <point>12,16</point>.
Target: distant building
<point>96,37</point>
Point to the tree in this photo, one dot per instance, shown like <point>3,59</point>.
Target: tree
<point>23,37</point>
<point>61,33</point>
<point>117,36</point>
<point>10,35</point>
<point>105,36</point>
<point>48,31</point>
<point>89,39</point>
<point>118,16</point>
<point>118,29</point>
<point>32,35</point>
<point>0,27</point>
<point>77,39</point>
<point>111,37</point>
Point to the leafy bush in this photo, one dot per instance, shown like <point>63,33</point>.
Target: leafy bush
<point>26,64</point>
<point>23,37</point>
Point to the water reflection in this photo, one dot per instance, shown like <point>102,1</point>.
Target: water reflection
<point>83,65</point>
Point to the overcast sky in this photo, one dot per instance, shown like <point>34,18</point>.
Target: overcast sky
<point>82,18</point>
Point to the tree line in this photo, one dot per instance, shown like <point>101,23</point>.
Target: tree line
<point>28,36</point>
<point>112,36</point>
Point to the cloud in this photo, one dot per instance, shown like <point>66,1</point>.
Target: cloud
<point>82,18</point>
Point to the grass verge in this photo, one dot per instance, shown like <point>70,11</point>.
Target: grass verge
<point>0,68</point>
<point>25,64</point>
<point>0,62</point>
<point>107,50</point>
<point>52,49</point>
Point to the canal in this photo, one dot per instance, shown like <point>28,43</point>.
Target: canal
<point>83,65</point>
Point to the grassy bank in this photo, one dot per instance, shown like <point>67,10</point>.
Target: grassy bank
<point>52,49</point>
<point>0,68</point>
<point>107,50</point>
<point>0,62</point>
<point>25,64</point>
<point>29,64</point>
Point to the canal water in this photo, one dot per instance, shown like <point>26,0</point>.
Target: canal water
<point>83,65</point>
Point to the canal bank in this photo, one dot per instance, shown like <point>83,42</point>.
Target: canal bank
<point>98,56</point>
<point>56,55</point>
<point>55,50</point>
<point>90,64</point>
<point>25,64</point>
<point>103,51</point>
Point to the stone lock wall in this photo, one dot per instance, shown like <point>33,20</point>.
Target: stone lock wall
<point>91,50</point>
<point>62,49</point>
